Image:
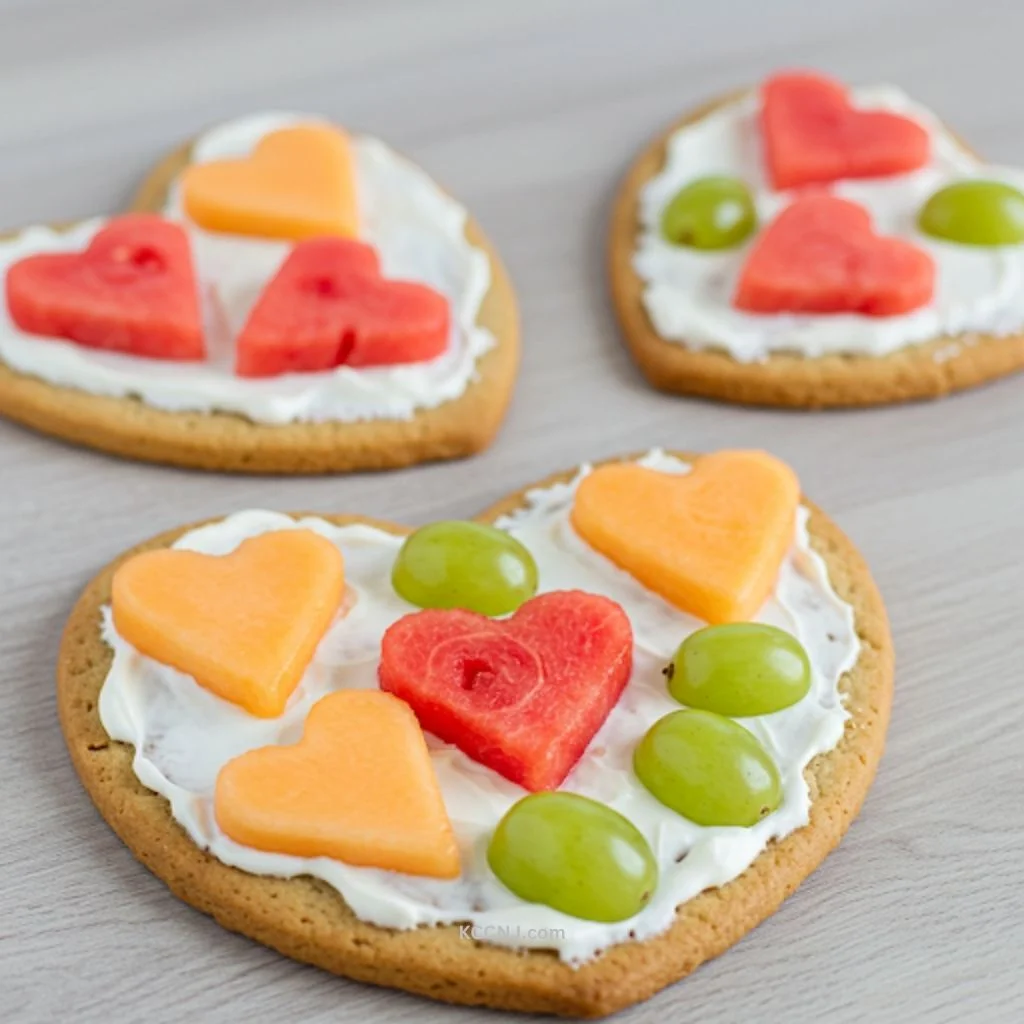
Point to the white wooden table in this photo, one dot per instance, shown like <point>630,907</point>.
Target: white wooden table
<point>529,111</point>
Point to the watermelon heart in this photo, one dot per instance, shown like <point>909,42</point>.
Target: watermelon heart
<point>820,255</point>
<point>523,696</point>
<point>132,290</point>
<point>812,135</point>
<point>328,306</point>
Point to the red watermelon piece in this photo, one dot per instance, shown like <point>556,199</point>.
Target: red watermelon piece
<point>524,695</point>
<point>328,306</point>
<point>813,136</point>
<point>820,255</point>
<point>132,290</point>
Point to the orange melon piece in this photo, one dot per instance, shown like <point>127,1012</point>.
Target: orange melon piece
<point>359,787</point>
<point>711,541</point>
<point>244,625</point>
<point>297,183</point>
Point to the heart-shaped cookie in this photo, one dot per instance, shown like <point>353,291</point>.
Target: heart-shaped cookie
<point>297,183</point>
<point>132,290</point>
<point>243,625</point>
<point>523,695</point>
<point>209,417</point>
<point>328,306</point>
<point>821,255</point>
<point>710,541</point>
<point>305,918</point>
<point>359,787</point>
<point>812,135</point>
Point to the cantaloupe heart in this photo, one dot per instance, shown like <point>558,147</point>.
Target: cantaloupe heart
<point>710,541</point>
<point>359,787</point>
<point>821,255</point>
<point>812,135</point>
<point>244,625</point>
<point>297,183</point>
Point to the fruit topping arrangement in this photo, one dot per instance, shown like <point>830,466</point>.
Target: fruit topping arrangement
<point>820,254</point>
<point>134,290</point>
<point>520,682</point>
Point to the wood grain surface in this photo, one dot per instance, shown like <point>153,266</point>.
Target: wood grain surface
<point>529,110</point>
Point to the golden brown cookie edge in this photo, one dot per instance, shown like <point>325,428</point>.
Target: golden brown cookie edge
<point>308,921</point>
<point>785,380</point>
<point>229,442</point>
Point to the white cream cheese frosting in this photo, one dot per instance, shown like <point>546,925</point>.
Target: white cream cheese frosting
<point>688,293</point>
<point>183,734</point>
<point>419,233</point>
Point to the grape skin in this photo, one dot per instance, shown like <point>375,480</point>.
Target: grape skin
<point>740,669</point>
<point>575,855</point>
<point>975,213</point>
<point>708,768</point>
<point>715,212</point>
<point>455,564</point>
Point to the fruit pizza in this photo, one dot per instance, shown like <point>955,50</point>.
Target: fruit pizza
<point>549,759</point>
<point>286,297</point>
<point>809,245</point>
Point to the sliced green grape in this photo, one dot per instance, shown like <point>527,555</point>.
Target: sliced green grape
<point>456,564</point>
<point>975,213</point>
<point>573,854</point>
<point>708,768</point>
<point>740,669</point>
<point>710,213</point>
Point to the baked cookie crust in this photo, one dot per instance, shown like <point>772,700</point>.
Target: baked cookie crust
<point>307,920</point>
<point>928,370</point>
<point>230,442</point>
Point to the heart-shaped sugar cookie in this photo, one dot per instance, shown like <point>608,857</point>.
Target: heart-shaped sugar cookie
<point>244,625</point>
<point>308,920</point>
<point>297,183</point>
<point>359,787</point>
<point>132,290</point>
<point>710,541</point>
<point>329,306</point>
<point>523,695</point>
<point>821,255</point>
<point>812,135</point>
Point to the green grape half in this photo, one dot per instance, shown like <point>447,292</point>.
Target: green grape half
<point>975,213</point>
<point>573,854</point>
<point>455,564</point>
<point>740,669</point>
<point>708,768</point>
<point>710,213</point>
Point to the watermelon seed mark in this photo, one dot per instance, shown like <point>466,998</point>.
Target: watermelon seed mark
<point>346,343</point>
<point>142,257</point>
<point>323,285</point>
<point>476,673</point>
